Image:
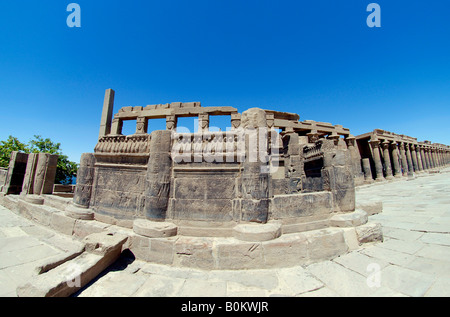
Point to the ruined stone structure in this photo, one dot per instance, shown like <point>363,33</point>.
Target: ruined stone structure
<point>30,175</point>
<point>250,173</point>
<point>386,155</point>
<point>268,176</point>
<point>270,191</point>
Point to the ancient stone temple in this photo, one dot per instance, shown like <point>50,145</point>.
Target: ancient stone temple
<point>386,155</point>
<point>268,177</point>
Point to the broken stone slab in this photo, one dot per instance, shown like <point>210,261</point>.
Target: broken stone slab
<point>352,219</point>
<point>79,213</point>
<point>369,232</point>
<point>54,261</point>
<point>103,243</point>
<point>257,232</point>
<point>101,250</point>
<point>371,207</point>
<point>154,229</point>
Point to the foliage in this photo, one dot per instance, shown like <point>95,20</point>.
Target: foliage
<point>65,170</point>
<point>8,146</point>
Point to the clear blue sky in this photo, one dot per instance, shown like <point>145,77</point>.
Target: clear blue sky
<point>316,58</point>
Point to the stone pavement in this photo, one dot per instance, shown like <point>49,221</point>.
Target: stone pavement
<point>413,260</point>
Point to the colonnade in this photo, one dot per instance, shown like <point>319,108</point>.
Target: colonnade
<point>400,158</point>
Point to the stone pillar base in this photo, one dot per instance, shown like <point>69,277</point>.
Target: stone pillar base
<point>75,212</point>
<point>34,199</point>
<point>257,232</point>
<point>153,229</point>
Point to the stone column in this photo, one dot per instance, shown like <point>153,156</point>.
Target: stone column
<point>387,159</point>
<point>313,136</point>
<point>141,125</point>
<point>16,173</point>
<point>409,160</point>
<point>159,170</point>
<point>375,144</point>
<point>79,209</point>
<point>429,160</point>
<point>116,127</point>
<point>108,105</point>
<point>356,159</point>
<point>412,150</point>
<point>433,153</point>
<point>30,172</point>
<point>337,175</point>
<point>45,173</point>
<point>254,176</point>
<point>441,161</point>
<point>424,158</point>
<point>395,160</point>
<point>171,122</point>
<point>404,160</point>
<point>85,179</point>
<point>419,158</point>
<point>203,122</point>
<point>367,170</point>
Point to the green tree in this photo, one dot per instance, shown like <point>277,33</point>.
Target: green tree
<point>65,170</point>
<point>8,146</point>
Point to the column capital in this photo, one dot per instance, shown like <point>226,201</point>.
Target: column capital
<point>385,144</point>
<point>374,141</point>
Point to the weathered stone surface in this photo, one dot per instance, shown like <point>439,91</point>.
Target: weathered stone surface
<point>153,229</point>
<point>371,208</point>
<point>369,232</point>
<point>16,172</point>
<point>257,232</point>
<point>101,251</point>
<point>301,205</point>
<point>353,219</point>
<point>79,213</point>
<point>153,249</point>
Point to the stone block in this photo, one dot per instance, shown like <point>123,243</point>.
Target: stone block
<point>82,228</point>
<point>257,232</point>
<point>194,252</point>
<point>301,205</point>
<point>288,250</point>
<point>196,209</point>
<point>352,219</point>
<point>231,254</point>
<point>153,250</point>
<point>62,223</point>
<point>371,207</point>
<point>154,229</point>
<point>79,213</point>
<point>369,232</point>
<point>325,244</point>
<point>69,277</point>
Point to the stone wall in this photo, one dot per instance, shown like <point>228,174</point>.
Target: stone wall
<point>267,166</point>
<point>3,174</point>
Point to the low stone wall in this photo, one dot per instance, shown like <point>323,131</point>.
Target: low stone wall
<point>280,250</point>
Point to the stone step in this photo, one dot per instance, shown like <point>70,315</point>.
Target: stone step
<point>100,251</point>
